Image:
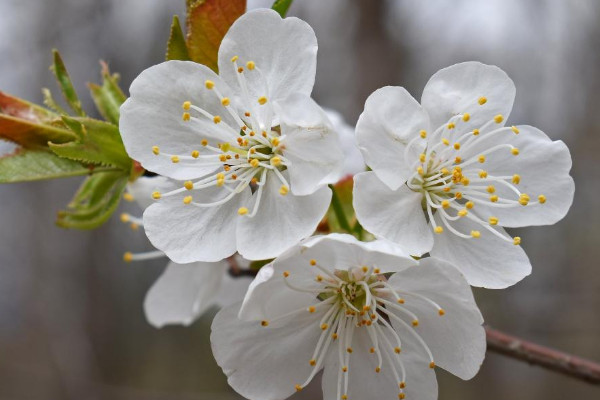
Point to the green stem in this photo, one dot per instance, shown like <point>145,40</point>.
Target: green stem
<point>338,209</point>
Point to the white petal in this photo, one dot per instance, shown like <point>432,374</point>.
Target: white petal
<point>365,383</point>
<point>391,119</point>
<point>458,88</point>
<point>396,215</point>
<point>488,261</point>
<point>187,233</point>
<point>232,290</point>
<point>144,186</point>
<point>183,292</point>
<point>281,221</point>
<point>152,116</point>
<point>456,339</point>
<point>283,50</point>
<point>311,144</point>
<point>264,363</point>
<point>543,166</point>
<point>353,161</point>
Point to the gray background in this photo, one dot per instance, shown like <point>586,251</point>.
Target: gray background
<point>71,322</point>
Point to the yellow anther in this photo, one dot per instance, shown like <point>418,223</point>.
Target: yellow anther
<point>209,84</point>
<point>254,162</point>
<point>457,160</point>
<point>516,240</point>
<point>415,322</point>
<point>250,65</point>
<point>313,262</point>
<point>524,199</point>
<point>402,385</point>
<point>324,327</point>
<point>516,179</point>
<point>420,170</point>
<point>222,158</point>
<point>262,100</point>
<point>456,146</point>
<point>441,312</point>
<point>498,118</point>
<point>462,213</point>
<point>493,220</point>
<point>242,211</point>
<point>466,117</point>
<point>372,350</point>
<point>298,388</point>
<point>423,134</point>
<point>469,204</point>
<point>365,269</point>
<point>422,157</point>
<point>334,336</point>
<point>283,190</point>
<point>446,189</point>
<point>542,199</point>
<point>124,217</point>
<point>216,119</point>
<point>225,101</point>
<point>445,141</point>
<point>377,369</point>
<point>311,309</point>
<point>401,396</point>
<point>401,301</point>
<point>475,234</point>
<point>313,362</point>
<point>515,129</point>
<point>174,159</point>
<point>432,365</point>
<point>465,181</point>
<point>319,278</point>
<point>482,100</point>
<point>128,197</point>
<point>234,59</point>
<point>376,270</point>
<point>493,198</point>
<point>187,199</point>
<point>475,132</point>
<point>445,171</point>
<point>252,150</point>
<point>275,141</point>
<point>264,134</point>
<point>264,323</point>
<point>366,308</point>
<point>186,116</point>
<point>286,274</point>
<point>275,161</point>
<point>186,105</point>
<point>344,397</point>
<point>458,195</point>
<point>451,125</point>
<point>204,142</point>
<point>134,226</point>
<point>397,350</point>
<point>491,189</point>
<point>189,185</point>
<point>349,350</point>
<point>156,150</point>
<point>481,159</point>
<point>127,257</point>
<point>156,195</point>
<point>483,174</point>
<point>514,151</point>
<point>445,204</point>
<point>252,133</point>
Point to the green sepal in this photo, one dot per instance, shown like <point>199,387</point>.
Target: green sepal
<point>51,103</point>
<point>33,165</point>
<point>64,81</point>
<point>108,97</point>
<point>98,142</point>
<point>176,47</point>
<point>282,6</point>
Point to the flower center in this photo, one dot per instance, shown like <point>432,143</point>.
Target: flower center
<point>359,298</point>
<point>453,182</point>
<point>253,150</point>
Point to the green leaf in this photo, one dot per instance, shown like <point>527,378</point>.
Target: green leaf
<point>51,103</point>
<point>62,76</point>
<point>207,22</point>
<point>34,165</point>
<point>282,6</point>
<point>338,210</point>
<point>95,201</point>
<point>176,47</point>
<point>340,215</point>
<point>108,97</point>
<point>31,134</point>
<point>98,143</point>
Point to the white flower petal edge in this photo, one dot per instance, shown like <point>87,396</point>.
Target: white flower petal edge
<point>142,188</point>
<point>466,165</point>
<point>229,135</point>
<point>375,337</point>
<point>183,292</point>
<point>353,161</point>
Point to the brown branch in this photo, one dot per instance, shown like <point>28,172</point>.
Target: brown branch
<point>545,357</point>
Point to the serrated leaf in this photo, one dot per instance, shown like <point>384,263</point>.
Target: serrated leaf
<point>95,201</point>
<point>176,47</point>
<point>98,143</point>
<point>51,103</point>
<point>32,134</point>
<point>207,22</point>
<point>282,6</point>
<point>64,81</point>
<point>33,165</point>
<point>108,97</point>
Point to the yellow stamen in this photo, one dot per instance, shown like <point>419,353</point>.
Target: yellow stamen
<point>204,142</point>
<point>462,213</point>
<point>415,322</point>
<point>216,119</point>
<point>262,100</point>
<point>250,65</point>
<point>445,141</point>
<point>450,125</point>
<point>491,189</point>
<point>264,323</point>
<point>187,199</point>
<point>186,116</point>
<point>438,229</point>
<point>469,204</point>
<point>482,100</point>
<point>225,101</point>
<point>156,195</point>
<point>283,190</point>
<point>234,59</point>
<point>313,262</point>
<point>498,118</point>
<point>516,179</point>
<point>466,117</point>
<point>441,312</point>
<point>242,211</point>
<point>209,84</point>
<point>476,234</point>
<point>516,240</point>
<point>128,197</point>
<point>189,185</point>
<point>493,220</point>
<point>445,204</point>
<point>524,199</point>
<point>515,129</point>
<point>432,365</point>
<point>311,309</point>
<point>124,217</point>
<point>127,257</point>
<point>254,162</point>
<point>186,105</point>
<point>542,199</point>
<point>456,146</point>
<point>493,198</point>
<point>475,132</point>
<point>275,161</point>
<point>483,174</point>
<point>481,159</point>
<point>423,134</point>
<point>156,150</point>
<point>514,151</point>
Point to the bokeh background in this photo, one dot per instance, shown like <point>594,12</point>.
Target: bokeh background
<point>71,320</point>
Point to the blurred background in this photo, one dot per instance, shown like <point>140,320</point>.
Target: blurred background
<point>71,319</point>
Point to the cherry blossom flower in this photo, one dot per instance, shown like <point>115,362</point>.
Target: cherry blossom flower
<point>253,151</point>
<point>353,159</point>
<point>448,175</point>
<point>330,303</point>
<point>183,292</point>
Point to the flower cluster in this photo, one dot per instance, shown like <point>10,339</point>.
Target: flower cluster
<point>244,159</point>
